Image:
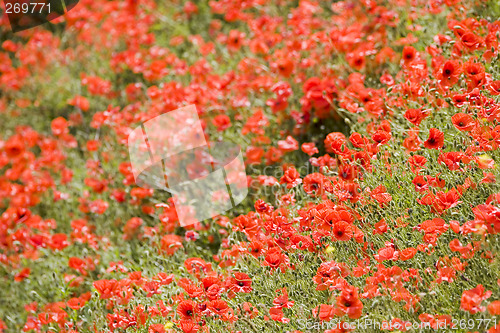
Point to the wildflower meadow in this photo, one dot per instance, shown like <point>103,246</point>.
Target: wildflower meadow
<point>368,133</point>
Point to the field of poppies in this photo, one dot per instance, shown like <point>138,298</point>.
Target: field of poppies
<point>370,131</point>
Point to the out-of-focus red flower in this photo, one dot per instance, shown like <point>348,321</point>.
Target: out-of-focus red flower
<point>235,40</point>
<point>221,122</point>
<point>59,126</point>
<point>288,145</point>
<point>472,299</point>
<point>106,288</point>
<point>309,148</point>
<point>170,244</point>
<point>494,308</point>
<point>80,102</point>
<point>23,274</point>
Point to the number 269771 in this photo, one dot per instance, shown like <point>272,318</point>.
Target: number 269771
<point>32,7</point>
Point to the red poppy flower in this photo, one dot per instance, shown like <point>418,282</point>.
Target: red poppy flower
<point>310,148</point>
<point>342,231</point>
<point>187,310</point>
<point>348,172</point>
<point>434,226</point>
<point>449,73</point>
<point>334,141</point>
<point>417,162</point>
<point>80,102</point>
<point>494,87</point>
<point>451,159</point>
<point>249,310</point>
<point>324,312</point>
<point>494,308</point>
<point>463,122</point>
<point>170,244</point>
<point>276,314</point>
<point>475,72</point>
<point>380,227</point>
<point>316,184</point>
<point>59,241</point>
<point>190,8</point>
<point>409,54</point>
<point>380,194</point>
<point>131,227</point>
<point>472,299</point>
<point>219,307</point>
<point>356,60</point>
<point>328,273</point>
<point>407,254</point>
<point>420,183</point>
<point>157,328</point>
<point>325,218</point>
<point>197,266</point>
<point>358,140</point>
<point>435,140</point>
<point>164,278</point>
<point>284,66</point>
<point>254,155</point>
<point>412,142</point>
<point>273,155</point>
<point>235,40</point>
<point>256,249</point>
<point>256,123</point>
<point>447,200</point>
<point>189,326</point>
<point>23,274</point>
<point>14,146</point>
<point>386,253</point>
<point>276,259</point>
<point>348,303</point>
<point>247,224</point>
<point>291,178</point>
<point>282,300</point>
<point>192,289</point>
<point>240,283</point>
<point>471,41</point>
<point>76,303</point>
<point>79,264</point>
<point>381,137</point>
<point>106,288</point>
<point>415,116</point>
<point>59,126</point>
<point>222,122</point>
